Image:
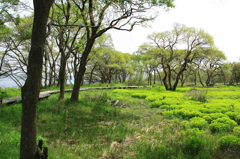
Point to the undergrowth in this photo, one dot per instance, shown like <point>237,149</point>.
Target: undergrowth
<point>154,124</point>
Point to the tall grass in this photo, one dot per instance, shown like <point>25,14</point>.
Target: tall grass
<point>91,128</point>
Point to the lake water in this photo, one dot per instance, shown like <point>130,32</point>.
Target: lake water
<point>6,82</point>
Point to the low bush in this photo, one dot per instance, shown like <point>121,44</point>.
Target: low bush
<point>213,116</point>
<point>197,95</point>
<point>222,125</point>
<point>192,145</point>
<point>193,132</point>
<point>156,104</point>
<point>187,113</point>
<point>234,116</point>
<point>229,141</point>
<point>236,131</point>
<point>153,98</point>
<point>168,114</point>
<point>139,95</point>
<point>197,122</point>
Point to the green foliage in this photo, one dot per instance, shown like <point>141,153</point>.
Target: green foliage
<point>9,92</point>
<point>193,132</point>
<point>229,141</point>
<point>153,98</point>
<point>92,125</point>
<point>156,104</point>
<point>187,113</point>
<point>234,116</point>
<point>139,95</point>
<point>213,116</point>
<point>236,131</point>
<point>168,114</point>
<point>136,81</point>
<point>155,152</point>
<point>198,95</point>
<point>192,145</point>
<point>222,125</point>
<point>197,122</point>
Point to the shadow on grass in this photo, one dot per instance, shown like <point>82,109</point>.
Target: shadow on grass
<point>92,122</point>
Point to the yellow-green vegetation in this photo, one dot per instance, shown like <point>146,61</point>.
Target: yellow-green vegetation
<point>200,123</point>
<point>9,92</point>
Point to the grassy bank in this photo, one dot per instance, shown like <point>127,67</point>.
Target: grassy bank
<point>147,123</point>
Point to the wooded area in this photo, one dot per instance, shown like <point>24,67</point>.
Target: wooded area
<point>67,40</point>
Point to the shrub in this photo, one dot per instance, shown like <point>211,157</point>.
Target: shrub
<point>168,114</point>
<point>197,95</point>
<point>213,116</point>
<point>197,122</point>
<point>231,115</point>
<point>222,124</point>
<point>139,95</point>
<point>234,116</point>
<point>152,98</point>
<point>236,131</point>
<point>171,101</point>
<point>192,145</point>
<point>185,124</point>
<point>156,104</point>
<point>193,132</point>
<point>187,113</point>
<point>229,141</point>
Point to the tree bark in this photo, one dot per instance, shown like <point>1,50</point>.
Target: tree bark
<point>31,88</point>
<point>62,71</point>
<point>82,68</point>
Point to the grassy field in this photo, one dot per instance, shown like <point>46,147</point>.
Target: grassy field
<point>147,123</point>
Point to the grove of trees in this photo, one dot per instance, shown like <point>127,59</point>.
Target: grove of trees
<point>67,40</point>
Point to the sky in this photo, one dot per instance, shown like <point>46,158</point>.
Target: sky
<point>219,18</point>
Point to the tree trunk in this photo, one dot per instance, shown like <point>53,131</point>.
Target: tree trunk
<point>62,70</point>
<point>62,73</point>
<point>154,77</point>
<point>81,71</point>
<point>200,79</point>
<point>31,88</point>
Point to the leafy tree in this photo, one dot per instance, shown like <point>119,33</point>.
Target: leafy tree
<point>16,45</point>
<point>176,49</point>
<point>64,16</point>
<point>106,65</point>
<point>31,88</point>
<point>101,16</point>
<point>210,63</point>
<point>5,10</point>
<point>235,73</point>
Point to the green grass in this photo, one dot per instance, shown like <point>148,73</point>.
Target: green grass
<point>9,92</point>
<point>179,127</point>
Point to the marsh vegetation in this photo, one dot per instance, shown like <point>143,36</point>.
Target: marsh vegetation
<point>188,123</point>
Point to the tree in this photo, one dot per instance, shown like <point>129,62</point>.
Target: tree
<point>101,16</point>
<point>210,65</point>
<point>31,88</point>
<point>16,45</point>
<point>176,49</point>
<point>64,17</point>
<point>235,78</point>
<point>106,65</point>
<point>5,10</point>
